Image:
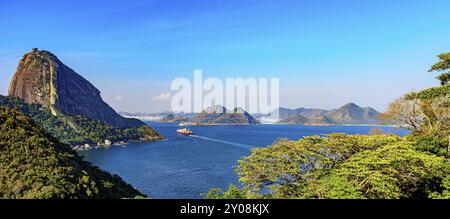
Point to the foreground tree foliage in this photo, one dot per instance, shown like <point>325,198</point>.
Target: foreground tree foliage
<point>426,113</point>
<point>375,166</point>
<point>341,166</point>
<point>33,164</point>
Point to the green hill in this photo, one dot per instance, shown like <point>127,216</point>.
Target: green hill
<point>294,119</point>
<point>347,114</point>
<point>354,114</point>
<point>219,115</point>
<point>78,130</point>
<point>34,164</point>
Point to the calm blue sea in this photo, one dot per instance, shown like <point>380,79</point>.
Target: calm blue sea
<point>184,167</point>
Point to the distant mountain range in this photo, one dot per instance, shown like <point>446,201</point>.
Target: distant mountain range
<point>347,114</point>
<point>350,114</point>
<point>214,115</point>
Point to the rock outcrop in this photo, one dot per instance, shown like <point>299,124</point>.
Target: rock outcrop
<point>41,78</point>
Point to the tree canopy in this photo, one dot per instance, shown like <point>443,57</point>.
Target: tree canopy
<point>34,164</point>
<point>441,66</point>
<point>340,166</point>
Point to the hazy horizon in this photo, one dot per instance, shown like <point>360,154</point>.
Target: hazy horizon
<point>326,53</point>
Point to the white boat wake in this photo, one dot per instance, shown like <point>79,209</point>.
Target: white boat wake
<point>223,142</point>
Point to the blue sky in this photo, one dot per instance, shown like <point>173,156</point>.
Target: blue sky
<point>326,53</point>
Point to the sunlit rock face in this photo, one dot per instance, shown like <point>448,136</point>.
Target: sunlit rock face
<point>41,78</point>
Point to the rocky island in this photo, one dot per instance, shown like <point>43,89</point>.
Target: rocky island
<point>219,115</point>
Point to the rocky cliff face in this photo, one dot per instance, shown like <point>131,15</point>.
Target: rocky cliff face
<point>42,78</point>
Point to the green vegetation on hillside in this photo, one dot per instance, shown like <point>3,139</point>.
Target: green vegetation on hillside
<point>340,166</point>
<point>77,130</point>
<point>34,164</point>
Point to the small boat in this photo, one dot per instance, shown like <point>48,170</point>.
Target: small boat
<point>185,131</point>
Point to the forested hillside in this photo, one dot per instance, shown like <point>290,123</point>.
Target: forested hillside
<point>34,164</point>
<point>77,130</point>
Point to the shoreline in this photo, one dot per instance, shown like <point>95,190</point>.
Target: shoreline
<point>116,144</point>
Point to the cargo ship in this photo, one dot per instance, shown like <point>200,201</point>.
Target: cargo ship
<point>185,131</point>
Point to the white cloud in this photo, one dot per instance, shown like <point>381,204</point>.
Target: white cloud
<point>163,97</point>
<point>119,98</point>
